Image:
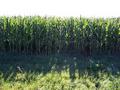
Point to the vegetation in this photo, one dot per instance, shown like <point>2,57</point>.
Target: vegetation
<point>59,72</point>
<point>45,53</point>
<point>60,81</point>
<point>54,34</point>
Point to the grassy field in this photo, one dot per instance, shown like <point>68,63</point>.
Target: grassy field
<point>59,72</point>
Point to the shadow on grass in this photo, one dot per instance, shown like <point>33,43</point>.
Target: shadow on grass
<point>47,63</point>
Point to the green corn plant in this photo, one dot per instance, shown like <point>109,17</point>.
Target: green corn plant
<point>36,34</point>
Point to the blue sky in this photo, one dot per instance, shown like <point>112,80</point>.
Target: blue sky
<point>86,8</point>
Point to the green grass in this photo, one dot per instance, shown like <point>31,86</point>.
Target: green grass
<point>59,72</point>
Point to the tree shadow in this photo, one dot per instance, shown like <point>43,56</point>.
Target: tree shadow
<point>59,62</point>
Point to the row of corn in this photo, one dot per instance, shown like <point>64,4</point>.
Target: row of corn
<point>36,34</point>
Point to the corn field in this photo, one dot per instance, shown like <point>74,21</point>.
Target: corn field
<point>36,34</point>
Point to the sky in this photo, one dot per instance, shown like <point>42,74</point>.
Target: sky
<point>63,8</point>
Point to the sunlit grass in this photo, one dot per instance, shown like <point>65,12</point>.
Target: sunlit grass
<point>60,81</point>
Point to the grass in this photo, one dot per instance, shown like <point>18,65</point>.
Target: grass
<point>59,72</point>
